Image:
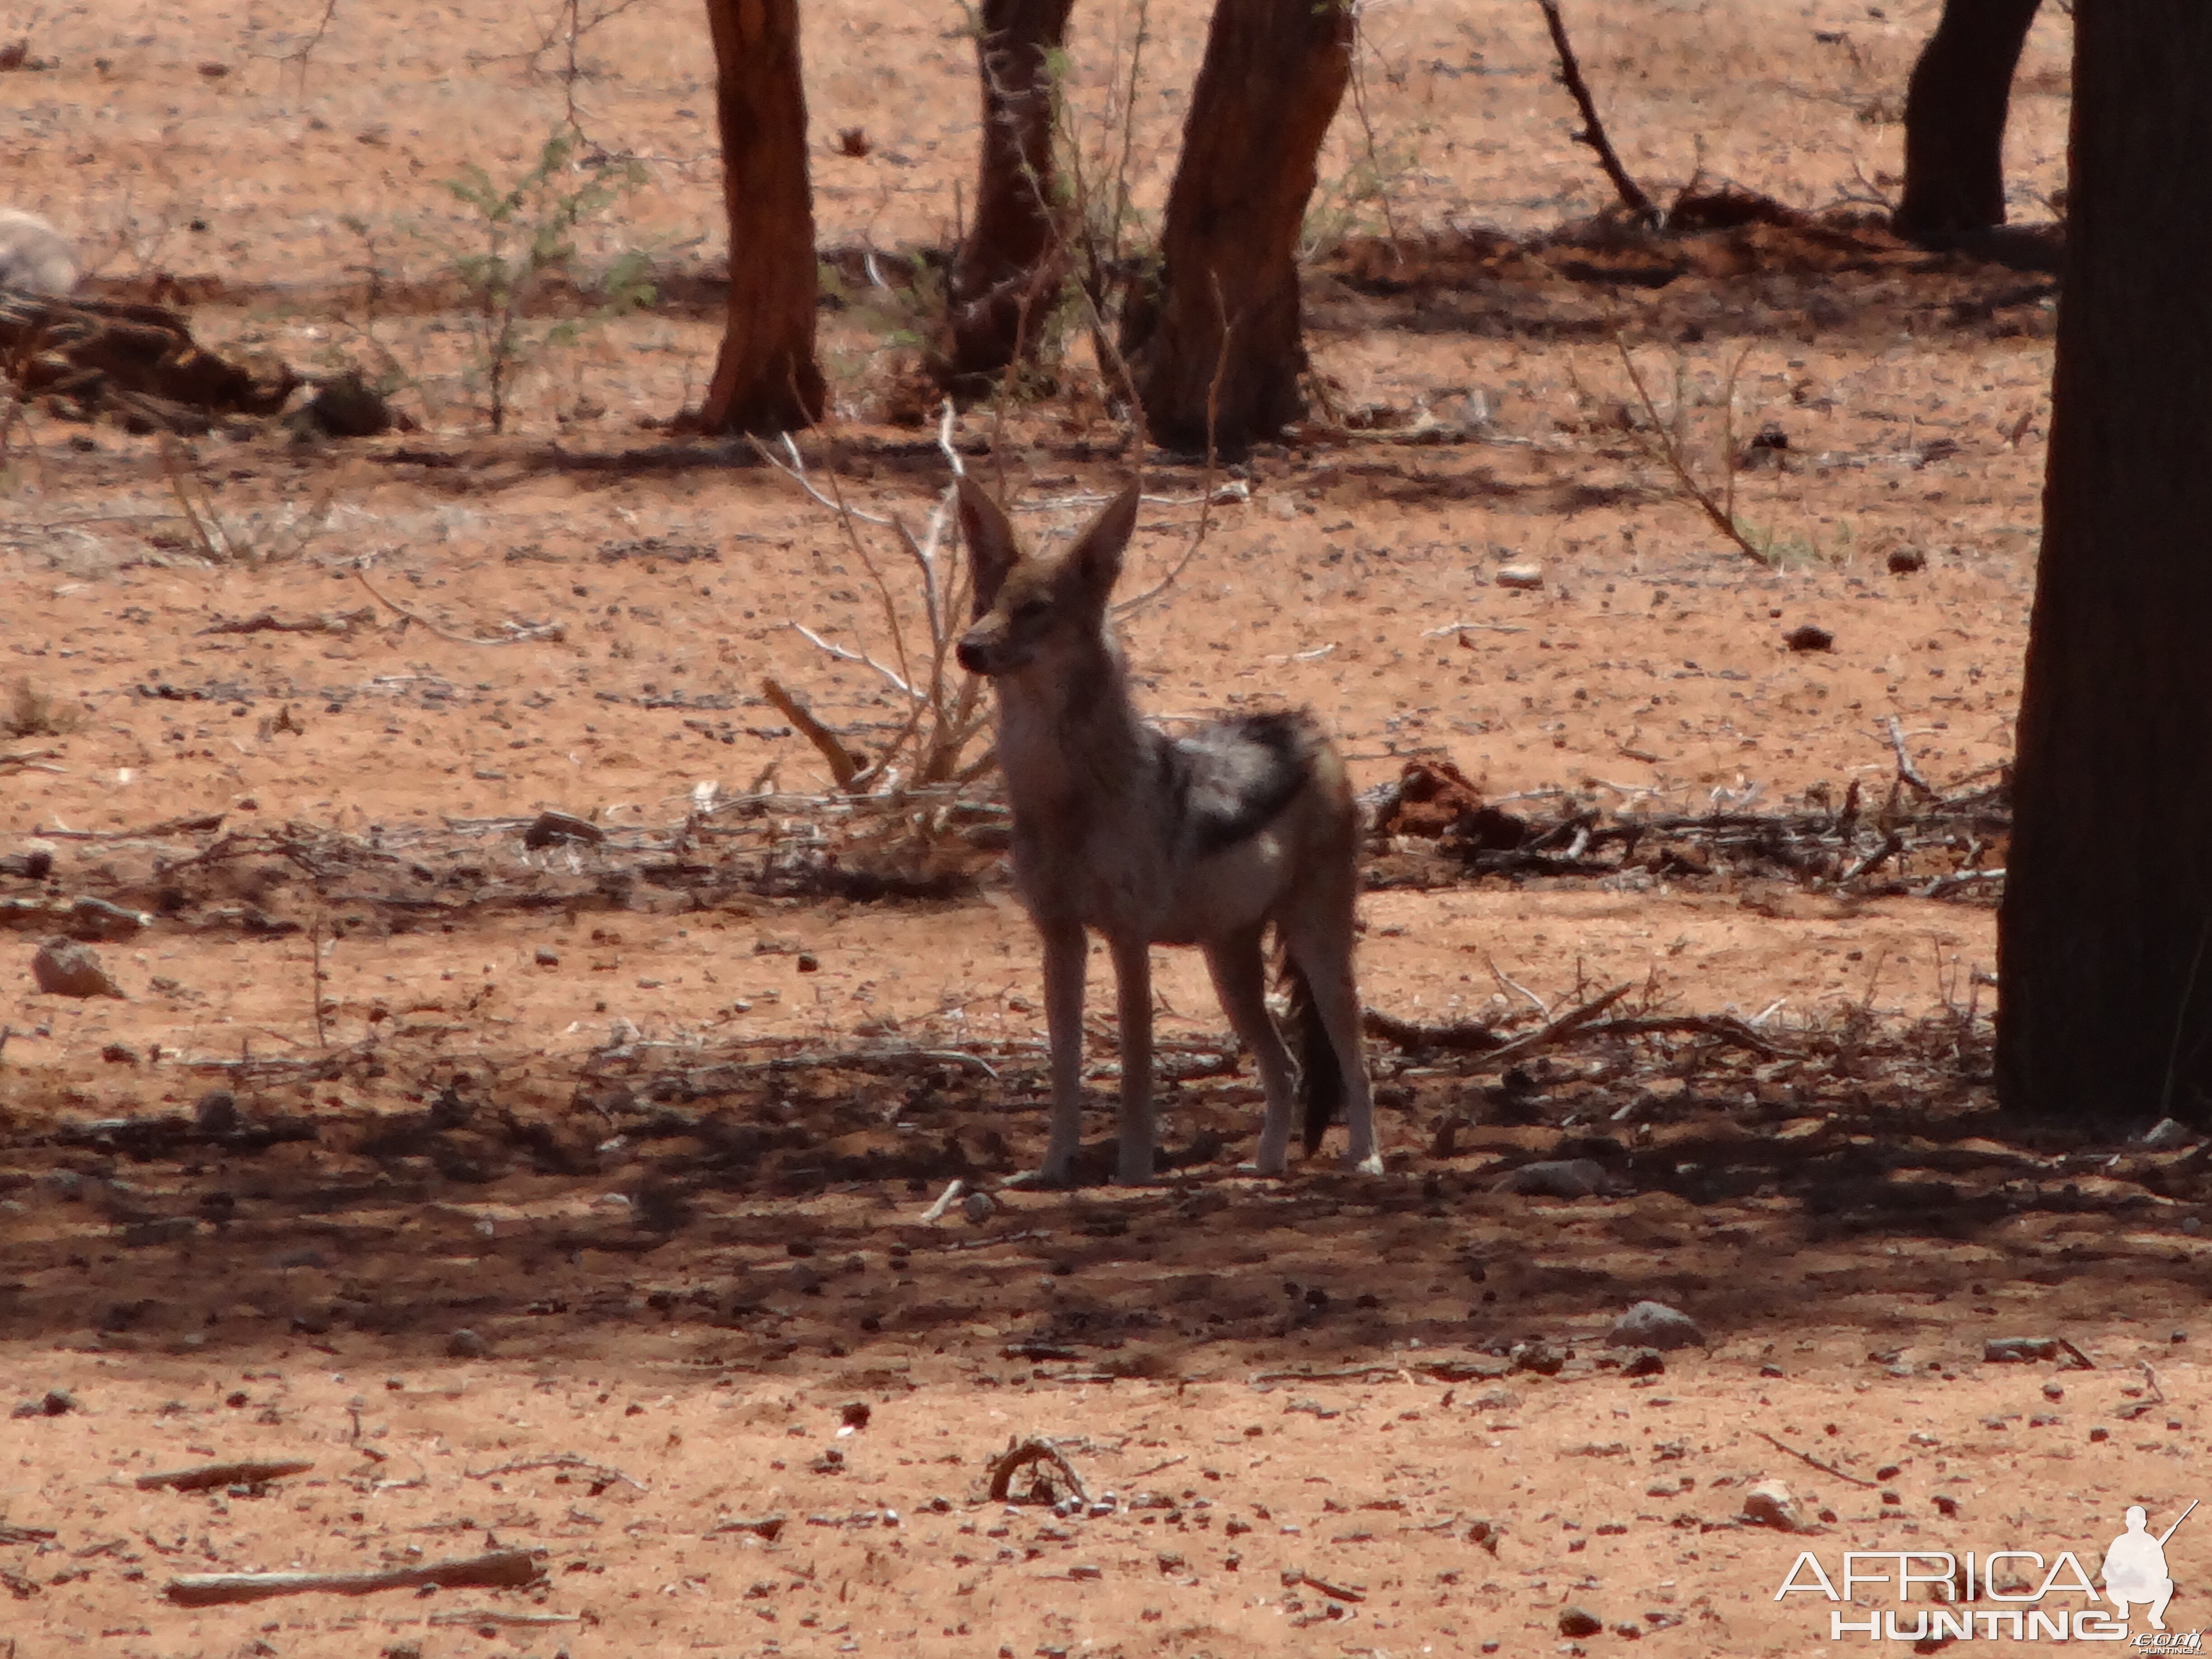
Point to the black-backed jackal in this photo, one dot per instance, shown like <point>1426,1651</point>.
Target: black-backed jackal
<point>1209,839</point>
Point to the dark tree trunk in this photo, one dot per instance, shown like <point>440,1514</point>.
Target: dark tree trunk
<point>1954,118</point>
<point>1272,76</point>
<point>1005,275</point>
<point>766,379</point>
<point>2105,942</point>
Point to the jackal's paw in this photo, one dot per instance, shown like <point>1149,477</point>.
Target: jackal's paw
<point>1371,1164</point>
<point>1135,1175</point>
<point>1269,1169</point>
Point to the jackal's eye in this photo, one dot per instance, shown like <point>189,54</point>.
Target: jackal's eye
<point>1032,610</point>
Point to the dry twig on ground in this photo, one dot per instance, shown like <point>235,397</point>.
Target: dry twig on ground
<point>500,1570</point>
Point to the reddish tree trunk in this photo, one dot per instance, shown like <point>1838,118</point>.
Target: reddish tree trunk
<point>1005,275</point>
<point>766,379</point>
<point>2104,941</point>
<point>1272,76</point>
<point>1954,118</point>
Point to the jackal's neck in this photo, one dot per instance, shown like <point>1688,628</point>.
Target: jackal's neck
<point>1069,737</point>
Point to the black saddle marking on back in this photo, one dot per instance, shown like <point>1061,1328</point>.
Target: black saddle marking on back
<point>1233,777</point>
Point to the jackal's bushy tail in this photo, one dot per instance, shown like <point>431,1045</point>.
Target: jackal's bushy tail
<point>1320,1072</point>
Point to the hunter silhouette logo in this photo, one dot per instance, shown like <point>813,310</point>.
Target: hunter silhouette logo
<point>2134,1567</point>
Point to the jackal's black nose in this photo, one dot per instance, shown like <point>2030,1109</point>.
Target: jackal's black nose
<point>971,657</point>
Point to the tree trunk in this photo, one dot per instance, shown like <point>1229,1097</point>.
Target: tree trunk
<point>1273,73</point>
<point>766,379</point>
<point>1954,118</point>
<point>2105,942</point>
<point>1004,276</point>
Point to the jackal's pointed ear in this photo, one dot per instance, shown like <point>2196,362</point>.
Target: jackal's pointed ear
<point>991,549</point>
<point>1096,554</point>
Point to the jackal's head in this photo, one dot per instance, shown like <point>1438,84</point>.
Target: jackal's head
<point>1031,610</point>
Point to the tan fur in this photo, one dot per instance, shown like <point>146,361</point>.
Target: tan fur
<point>1104,838</point>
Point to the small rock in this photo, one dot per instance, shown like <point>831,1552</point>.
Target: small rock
<point>855,1413</point>
<point>550,827</point>
<point>96,919</point>
<point>547,957</point>
<point>119,1054</point>
<point>1579,1621</point>
<point>1771,1504</point>
<point>2165,1134</point>
<point>1570,1177</point>
<point>1809,638</point>
<point>465,1343</point>
<point>978,1207</point>
<point>44,1407</point>
<point>1903,560</point>
<point>808,962</point>
<point>1525,577</point>
<point>34,865</point>
<point>1655,1325</point>
<point>1644,1361</point>
<point>2053,1391</point>
<point>1540,1357</point>
<point>64,968</point>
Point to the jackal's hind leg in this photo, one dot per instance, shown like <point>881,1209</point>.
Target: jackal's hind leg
<point>1240,979</point>
<point>1133,975</point>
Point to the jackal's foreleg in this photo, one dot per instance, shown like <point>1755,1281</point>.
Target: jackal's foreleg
<point>1064,951</point>
<point>1133,977</point>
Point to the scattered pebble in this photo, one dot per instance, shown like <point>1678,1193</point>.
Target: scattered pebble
<point>548,828</point>
<point>465,1343</point>
<point>1579,1621</point>
<point>1809,638</point>
<point>1525,577</point>
<point>978,1207</point>
<point>1903,560</point>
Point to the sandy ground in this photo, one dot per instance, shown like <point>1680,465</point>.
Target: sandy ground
<point>629,1170</point>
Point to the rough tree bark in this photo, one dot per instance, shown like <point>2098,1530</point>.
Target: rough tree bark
<point>1954,118</point>
<point>1004,276</point>
<point>1272,76</point>
<point>766,379</point>
<point>2104,941</point>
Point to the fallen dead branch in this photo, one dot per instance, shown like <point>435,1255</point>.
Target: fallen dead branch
<point>493,1616</point>
<point>1294,1577</point>
<point>268,622</point>
<point>500,1570</point>
<point>1042,1453</point>
<point>201,1476</point>
<point>1807,1457</point>
<point>600,1473</point>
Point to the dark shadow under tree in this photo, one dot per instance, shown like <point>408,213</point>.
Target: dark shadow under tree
<point>766,379</point>
<point>1005,275</point>
<point>1955,106</point>
<point>1273,73</point>
<point>2105,941</point>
